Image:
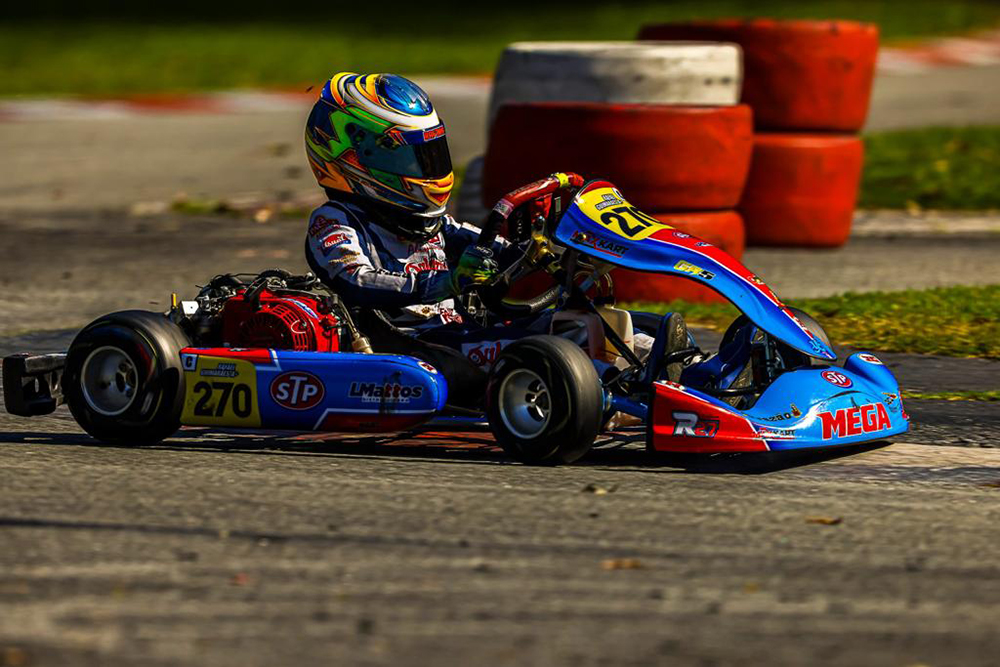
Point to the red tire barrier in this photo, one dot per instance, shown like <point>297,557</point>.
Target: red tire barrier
<point>798,75</point>
<point>660,157</point>
<point>802,189</point>
<point>722,228</point>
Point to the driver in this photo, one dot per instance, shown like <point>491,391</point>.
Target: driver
<point>383,241</point>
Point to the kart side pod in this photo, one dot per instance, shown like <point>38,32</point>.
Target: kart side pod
<point>308,391</point>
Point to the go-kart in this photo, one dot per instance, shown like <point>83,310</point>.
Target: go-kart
<point>278,351</point>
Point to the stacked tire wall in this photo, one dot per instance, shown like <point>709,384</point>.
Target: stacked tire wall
<point>809,84</point>
<point>659,121</point>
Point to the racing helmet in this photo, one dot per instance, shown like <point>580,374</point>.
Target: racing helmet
<point>378,138</point>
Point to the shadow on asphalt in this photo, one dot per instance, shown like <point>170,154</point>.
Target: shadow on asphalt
<point>624,452</point>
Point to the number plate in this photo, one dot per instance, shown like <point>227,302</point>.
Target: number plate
<point>221,392</point>
<point>608,208</point>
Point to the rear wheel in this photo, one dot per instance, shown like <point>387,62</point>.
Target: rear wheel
<point>544,401</point>
<point>123,379</point>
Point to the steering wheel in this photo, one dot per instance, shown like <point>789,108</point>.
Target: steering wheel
<point>492,294</point>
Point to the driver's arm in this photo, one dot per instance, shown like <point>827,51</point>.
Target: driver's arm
<point>338,250</point>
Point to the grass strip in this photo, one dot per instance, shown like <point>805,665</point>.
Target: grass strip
<point>159,48</point>
<point>932,168</point>
<point>949,321</point>
<point>988,395</point>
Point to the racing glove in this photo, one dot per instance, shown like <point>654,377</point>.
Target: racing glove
<point>475,267</point>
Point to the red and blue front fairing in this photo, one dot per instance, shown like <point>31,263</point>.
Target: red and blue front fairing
<point>803,408</point>
<point>308,391</point>
<point>603,225</point>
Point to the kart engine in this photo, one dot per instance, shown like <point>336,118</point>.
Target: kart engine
<point>280,322</point>
<point>273,310</point>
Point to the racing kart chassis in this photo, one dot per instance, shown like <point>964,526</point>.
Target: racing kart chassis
<point>275,353</point>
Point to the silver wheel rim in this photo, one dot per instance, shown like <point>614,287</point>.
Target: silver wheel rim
<point>108,381</point>
<point>525,404</point>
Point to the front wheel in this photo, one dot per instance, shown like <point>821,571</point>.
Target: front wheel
<point>544,401</point>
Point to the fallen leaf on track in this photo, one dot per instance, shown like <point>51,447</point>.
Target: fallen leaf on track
<point>621,564</point>
<point>825,520</point>
<point>599,490</point>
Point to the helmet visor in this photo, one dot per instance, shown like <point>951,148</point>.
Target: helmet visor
<point>427,160</point>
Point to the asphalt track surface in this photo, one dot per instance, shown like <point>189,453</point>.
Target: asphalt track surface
<point>272,548</point>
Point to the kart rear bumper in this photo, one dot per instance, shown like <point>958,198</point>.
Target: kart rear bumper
<point>32,384</point>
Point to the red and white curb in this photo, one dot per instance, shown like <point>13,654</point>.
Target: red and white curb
<point>230,102</point>
<point>980,49</point>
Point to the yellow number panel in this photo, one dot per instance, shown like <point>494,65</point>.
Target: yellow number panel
<point>608,208</point>
<point>221,392</point>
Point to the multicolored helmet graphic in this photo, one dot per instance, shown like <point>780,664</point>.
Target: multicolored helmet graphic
<point>378,136</point>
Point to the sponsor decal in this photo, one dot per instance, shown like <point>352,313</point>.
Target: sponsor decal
<point>321,225</point>
<point>224,369</point>
<point>414,248</point>
<point>335,239</point>
<point>421,264</point>
<point>305,307</point>
<point>297,390</point>
<point>693,270</point>
<point>890,399</point>
<point>483,354</point>
<point>434,133</point>
<point>791,414</point>
<point>504,208</point>
<point>600,244</point>
<point>609,199</point>
<point>348,257</point>
<point>689,424</point>
<point>427,367</point>
<point>450,315</point>
<point>606,207</point>
<point>858,420</point>
<point>755,279</point>
<point>837,379</point>
<point>219,392</point>
<point>870,358</point>
<point>388,392</point>
<point>776,433</point>
<point>682,235</point>
<point>702,244</point>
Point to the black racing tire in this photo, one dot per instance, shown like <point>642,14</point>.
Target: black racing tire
<point>562,426</point>
<point>123,379</point>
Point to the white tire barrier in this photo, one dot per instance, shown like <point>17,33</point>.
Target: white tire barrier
<point>700,73</point>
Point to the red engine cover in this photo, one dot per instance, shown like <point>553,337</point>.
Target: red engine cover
<point>281,323</point>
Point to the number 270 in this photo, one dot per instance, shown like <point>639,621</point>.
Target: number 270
<point>617,215</point>
<point>240,394</point>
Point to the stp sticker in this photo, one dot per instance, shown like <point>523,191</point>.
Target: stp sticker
<point>837,379</point>
<point>297,390</point>
<point>870,358</point>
